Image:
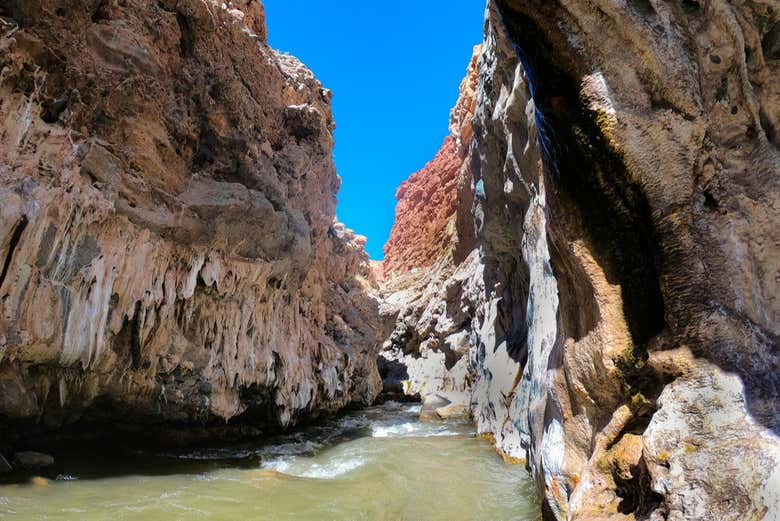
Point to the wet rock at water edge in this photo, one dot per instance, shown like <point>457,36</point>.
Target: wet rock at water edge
<point>431,404</point>
<point>453,410</point>
<point>39,482</point>
<point>32,460</point>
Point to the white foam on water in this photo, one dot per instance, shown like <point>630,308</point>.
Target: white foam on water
<point>279,465</point>
<point>393,431</point>
<point>333,468</point>
<point>411,429</point>
<point>303,469</point>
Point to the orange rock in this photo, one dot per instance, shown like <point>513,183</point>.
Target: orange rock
<point>39,482</point>
<point>432,217</point>
<point>426,205</point>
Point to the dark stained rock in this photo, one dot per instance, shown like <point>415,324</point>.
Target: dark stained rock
<point>5,467</point>
<point>32,460</point>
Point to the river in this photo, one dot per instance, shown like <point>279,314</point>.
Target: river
<point>379,463</point>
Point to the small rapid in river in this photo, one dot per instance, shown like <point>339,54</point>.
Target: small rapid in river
<point>379,463</point>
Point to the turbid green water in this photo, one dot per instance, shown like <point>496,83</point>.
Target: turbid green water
<point>376,464</point>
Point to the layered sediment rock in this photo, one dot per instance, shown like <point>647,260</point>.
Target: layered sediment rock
<point>426,206</point>
<point>167,240</point>
<point>620,314</point>
<point>429,260</point>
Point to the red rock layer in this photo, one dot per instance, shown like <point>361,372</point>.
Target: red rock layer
<point>426,204</point>
<point>432,217</point>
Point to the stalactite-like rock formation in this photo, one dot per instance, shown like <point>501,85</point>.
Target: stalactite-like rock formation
<point>618,325</point>
<point>589,267</point>
<point>167,240</point>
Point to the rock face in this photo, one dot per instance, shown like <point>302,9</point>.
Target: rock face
<point>32,460</point>
<point>617,324</point>
<point>167,240</point>
<point>424,214</point>
<point>428,261</point>
<point>433,213</point>
<point>5,467</point>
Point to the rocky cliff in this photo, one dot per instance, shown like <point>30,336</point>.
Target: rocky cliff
<point>617,324</point>
<point>428,259</point>
<point>167,239</point>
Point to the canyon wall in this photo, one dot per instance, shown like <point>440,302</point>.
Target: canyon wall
<point>616,326</point>
<point>429,259</point>
<point>167,238</point>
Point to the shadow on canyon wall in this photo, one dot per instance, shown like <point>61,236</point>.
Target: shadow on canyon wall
<point>592,181</point>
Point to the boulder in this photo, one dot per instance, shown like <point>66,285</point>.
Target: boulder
<point>453,410</point>
<point>32,460</point>
<point>431,404</point>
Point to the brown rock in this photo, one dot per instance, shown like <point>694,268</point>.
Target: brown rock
<point>167,239</point>
<point>621,305</point>
<point>39,482</point>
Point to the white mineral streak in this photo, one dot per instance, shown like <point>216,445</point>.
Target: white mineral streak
<point>770,491</point>
<point>496,380</point>
<point>536,384</point>
<point>250,325</point>
<point>553,461</point>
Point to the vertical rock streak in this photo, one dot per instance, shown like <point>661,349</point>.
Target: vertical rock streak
<point>537,410</point>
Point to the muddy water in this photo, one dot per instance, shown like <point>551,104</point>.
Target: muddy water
<point>376,464</point>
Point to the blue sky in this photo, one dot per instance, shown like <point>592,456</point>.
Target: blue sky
<point>394,69</point>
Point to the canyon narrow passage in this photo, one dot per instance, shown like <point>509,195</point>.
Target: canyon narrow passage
<point>577,317</point>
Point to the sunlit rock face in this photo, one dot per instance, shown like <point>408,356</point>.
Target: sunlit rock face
<point>427,273</point>
<point>433,211</point>
<point>167,239</point>
<point>619,313</point>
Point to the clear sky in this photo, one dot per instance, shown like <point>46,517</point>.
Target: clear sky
<point>394,69</point>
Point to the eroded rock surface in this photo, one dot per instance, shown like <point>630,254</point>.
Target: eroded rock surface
<point>167,239</point>
<point>617,326</point>
<point>428,274</point>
